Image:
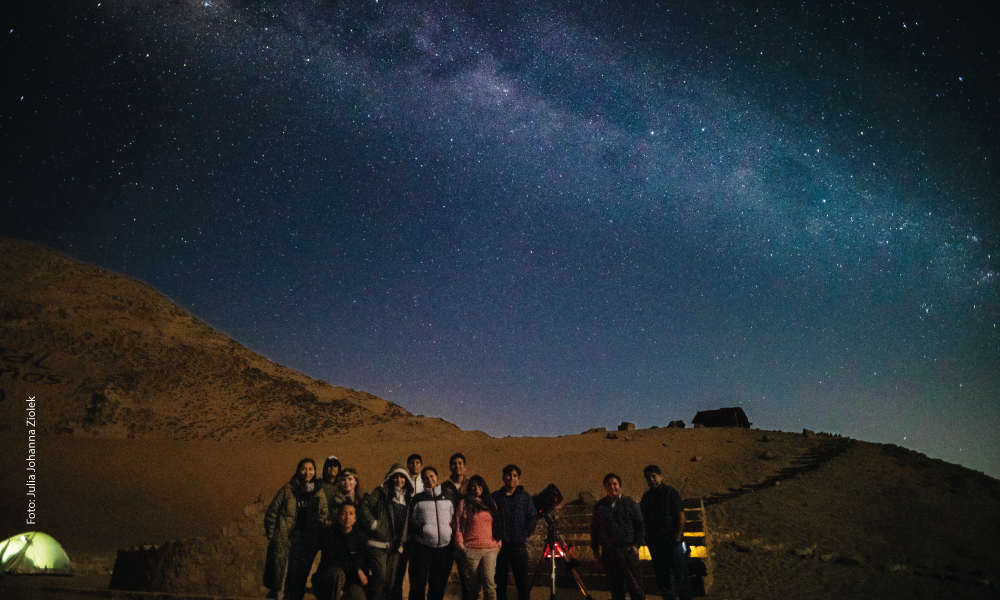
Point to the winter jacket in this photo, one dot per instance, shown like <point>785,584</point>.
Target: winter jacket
<point>377,516</point>
<point>336,499</point>
<point>617,526</point>
<point>518,516</point>
<point>430,517</point>
<point>281,518</point>
<point>330,490</point>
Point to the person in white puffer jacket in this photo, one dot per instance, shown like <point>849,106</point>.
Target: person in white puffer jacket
<point>430,534</point>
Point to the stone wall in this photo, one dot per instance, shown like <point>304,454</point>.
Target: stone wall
<point>230,562</point>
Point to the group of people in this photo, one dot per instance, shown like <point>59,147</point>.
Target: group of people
<point>620,526</point>
<point>366,541</point>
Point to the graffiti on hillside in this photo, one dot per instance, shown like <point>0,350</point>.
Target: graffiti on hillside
<point>28,367</point>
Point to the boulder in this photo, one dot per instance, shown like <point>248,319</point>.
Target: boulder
<point>626,426</point>
<point>676,425</point>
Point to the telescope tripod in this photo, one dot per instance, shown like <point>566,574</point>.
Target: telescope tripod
<point>556,547</point>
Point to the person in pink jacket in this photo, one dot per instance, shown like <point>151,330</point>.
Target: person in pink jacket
<point>477,540</point>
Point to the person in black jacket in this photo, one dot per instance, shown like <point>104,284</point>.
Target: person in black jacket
<point>341,563</point>
<point>518,518</point>
<point>616,533</point>
<point>663,515</point>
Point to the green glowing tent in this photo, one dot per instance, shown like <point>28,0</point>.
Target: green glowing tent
<point>34,552</point>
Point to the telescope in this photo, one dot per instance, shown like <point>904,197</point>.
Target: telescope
<point>546,502</point>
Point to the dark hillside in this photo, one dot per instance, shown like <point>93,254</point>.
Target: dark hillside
<point>108,356</point>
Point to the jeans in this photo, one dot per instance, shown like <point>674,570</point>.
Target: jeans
<point>300,562</point>
<point>622,568</point>
<point>670,562</point>
<point>516,560</point>
<point>429,567</point>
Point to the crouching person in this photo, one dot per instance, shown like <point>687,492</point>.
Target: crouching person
<point>341,564</point>
<point>383,519</point>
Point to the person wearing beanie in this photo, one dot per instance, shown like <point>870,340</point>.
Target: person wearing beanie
<point>383,518</point>
<point>348,490</point>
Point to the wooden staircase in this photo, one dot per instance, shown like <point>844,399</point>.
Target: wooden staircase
<point>573,522</point>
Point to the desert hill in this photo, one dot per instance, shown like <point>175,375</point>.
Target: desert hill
<point>108,356</point>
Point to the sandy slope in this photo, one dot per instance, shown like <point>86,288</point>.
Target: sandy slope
<point>880,505</point>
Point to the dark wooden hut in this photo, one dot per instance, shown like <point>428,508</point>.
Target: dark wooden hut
<point>722,417</point>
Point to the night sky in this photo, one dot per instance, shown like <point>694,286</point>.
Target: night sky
<point>535,218</point>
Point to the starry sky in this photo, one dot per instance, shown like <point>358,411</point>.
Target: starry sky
<point>533,218</point>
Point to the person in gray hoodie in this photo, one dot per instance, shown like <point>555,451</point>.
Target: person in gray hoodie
<point>384,520</point>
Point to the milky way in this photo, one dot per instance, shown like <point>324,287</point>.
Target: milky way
<point>533,219</point>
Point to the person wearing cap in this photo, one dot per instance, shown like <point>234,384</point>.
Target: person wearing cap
<point>383,518</point>
<point>616,533</point>
<point>663,515</point>
<point>328,482</point>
